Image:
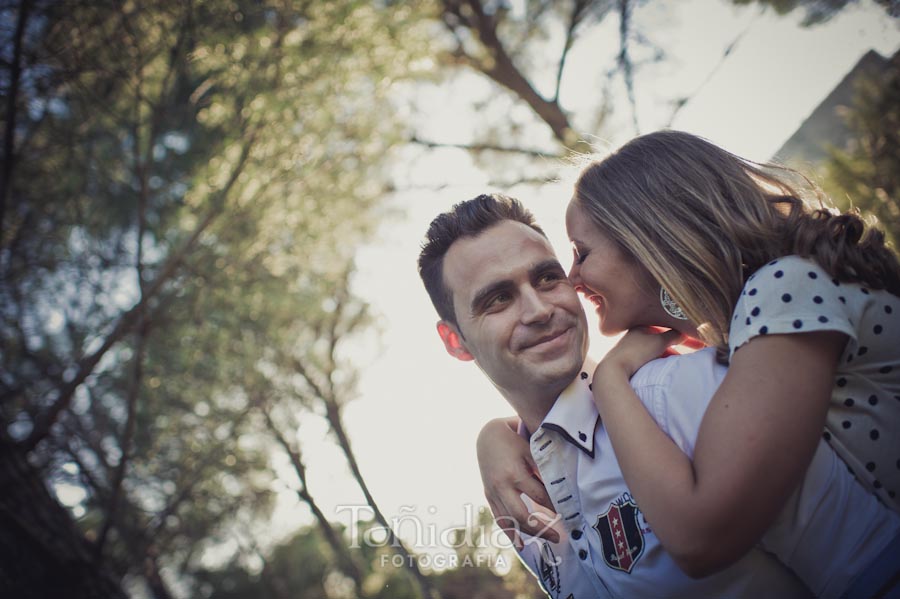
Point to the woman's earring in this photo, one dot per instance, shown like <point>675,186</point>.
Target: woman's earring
<point>671,306</point>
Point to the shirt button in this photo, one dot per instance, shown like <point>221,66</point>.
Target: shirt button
<point>582,554</point>
<point>576,534</point>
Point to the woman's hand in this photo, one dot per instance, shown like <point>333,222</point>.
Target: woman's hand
<point>507,471</point>
<point>637,347</point>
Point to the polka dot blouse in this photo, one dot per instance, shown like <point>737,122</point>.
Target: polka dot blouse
<point>795,295</point>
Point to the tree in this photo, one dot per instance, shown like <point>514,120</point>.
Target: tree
<point>513,48</point>
<point>177,167</point>
<point>867,174</point>
<point>818,11</point>
<point>481,24</point>
<point>183,189</point>
<point>303,566</point>
<point>304,371</point>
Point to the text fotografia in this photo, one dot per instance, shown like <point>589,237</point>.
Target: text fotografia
<point>422,536</point>
<point>445,561</point>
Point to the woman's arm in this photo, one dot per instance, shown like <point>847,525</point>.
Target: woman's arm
<point>755,442</point>
<point>507,471</point>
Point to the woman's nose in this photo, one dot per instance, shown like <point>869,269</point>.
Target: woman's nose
<point>575,273</point>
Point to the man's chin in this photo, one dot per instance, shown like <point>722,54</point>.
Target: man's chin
<point>563,369</point>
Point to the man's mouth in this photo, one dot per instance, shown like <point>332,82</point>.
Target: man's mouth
<point>549,340</point>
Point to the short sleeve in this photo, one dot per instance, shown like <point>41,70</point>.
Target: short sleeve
<point>790,295</point>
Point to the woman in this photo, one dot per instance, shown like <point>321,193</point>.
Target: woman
<point>803,303</point>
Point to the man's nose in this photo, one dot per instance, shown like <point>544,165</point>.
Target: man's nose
<point>535,308</point>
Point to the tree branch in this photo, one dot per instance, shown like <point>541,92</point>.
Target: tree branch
<point>186,483</point>
<point>533,20</point>
<point>500,67</point>
<point>486,147</point>
<point>522,181</point>
<point>333,415</point>
<point>129,318</point>
<point>9,135</point>
<point>39,536</point>
<point>341,551</point>
<point>140,166</point>
<point>682,102</point>
<point>326,392</point>
<point>624,60</point>
<point>578,11</point>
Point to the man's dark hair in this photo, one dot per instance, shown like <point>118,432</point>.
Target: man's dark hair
<point>466,219</point>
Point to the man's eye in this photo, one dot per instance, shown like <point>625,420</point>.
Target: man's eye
<point>498,301</point>
<point>550,278</point>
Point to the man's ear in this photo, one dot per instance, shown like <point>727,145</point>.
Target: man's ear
<point>450,337</point>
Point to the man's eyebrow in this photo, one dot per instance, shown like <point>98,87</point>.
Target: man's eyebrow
<point>506,284</point>
<point>542,267</point>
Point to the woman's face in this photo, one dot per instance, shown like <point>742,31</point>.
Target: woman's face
<point>622,291</point>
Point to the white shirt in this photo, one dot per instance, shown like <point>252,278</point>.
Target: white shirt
<point>828,531</point>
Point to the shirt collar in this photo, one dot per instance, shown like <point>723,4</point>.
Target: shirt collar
<point>574,414</point>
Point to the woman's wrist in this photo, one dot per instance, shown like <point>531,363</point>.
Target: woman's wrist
<point>610,383</point>
<point>614,368</point>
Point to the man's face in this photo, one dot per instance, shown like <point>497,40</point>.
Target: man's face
<point>519,316</point>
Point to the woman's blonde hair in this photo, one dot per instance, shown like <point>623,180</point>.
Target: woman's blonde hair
<point>702,220</point>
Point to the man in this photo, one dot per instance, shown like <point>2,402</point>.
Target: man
<point>505,303</point>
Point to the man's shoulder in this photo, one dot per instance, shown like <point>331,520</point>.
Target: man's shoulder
<point>679,387</point>
<point>677,390</point>
<point>699,366</point>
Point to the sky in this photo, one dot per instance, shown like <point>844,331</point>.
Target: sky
<point>414,423</point>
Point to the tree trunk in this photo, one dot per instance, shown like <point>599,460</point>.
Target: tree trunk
<point>9,135</point>
<point>341,551</point>
<point>42,553</point>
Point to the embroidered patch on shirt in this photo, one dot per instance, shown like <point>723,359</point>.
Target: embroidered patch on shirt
<point>621,535</point>
<point>549,571</point>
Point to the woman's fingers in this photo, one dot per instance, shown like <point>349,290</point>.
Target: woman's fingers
<point>506,523</point>
<point>534,488</point>
<point>540,524</point>
<point>673,337</point>
<point>513,516</point>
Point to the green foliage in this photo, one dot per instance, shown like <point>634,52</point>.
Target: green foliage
<point>816,11</point>
<point>214,164</point>
<point>867,174</point>
<point>217,163</point>
<point>303,566</point>
<point>296,568</point>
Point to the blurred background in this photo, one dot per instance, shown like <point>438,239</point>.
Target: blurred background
<point>219,373</point>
